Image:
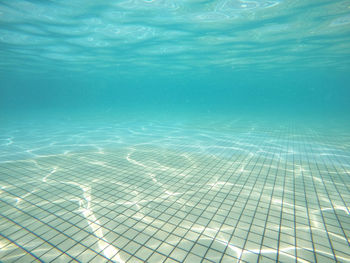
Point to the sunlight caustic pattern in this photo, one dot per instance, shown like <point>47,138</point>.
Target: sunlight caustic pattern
<point>135,192</point>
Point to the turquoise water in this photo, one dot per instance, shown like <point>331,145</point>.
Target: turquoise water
<point>174,131</point>
<point>245,57</point>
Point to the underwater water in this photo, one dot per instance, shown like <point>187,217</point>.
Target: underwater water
<point>174,131</point>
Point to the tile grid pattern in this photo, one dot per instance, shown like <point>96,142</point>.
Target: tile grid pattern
<point>153,204</point>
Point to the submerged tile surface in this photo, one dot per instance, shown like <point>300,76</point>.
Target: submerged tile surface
<point>151,192</point>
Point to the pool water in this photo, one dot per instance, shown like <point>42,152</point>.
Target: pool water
<point>174,131</point>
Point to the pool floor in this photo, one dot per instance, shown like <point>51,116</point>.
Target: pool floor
<point>156,192</point>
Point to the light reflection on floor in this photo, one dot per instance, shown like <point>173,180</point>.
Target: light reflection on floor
<point>155,192</point>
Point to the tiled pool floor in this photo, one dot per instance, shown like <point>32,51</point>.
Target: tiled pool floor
<point>172,193</point>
